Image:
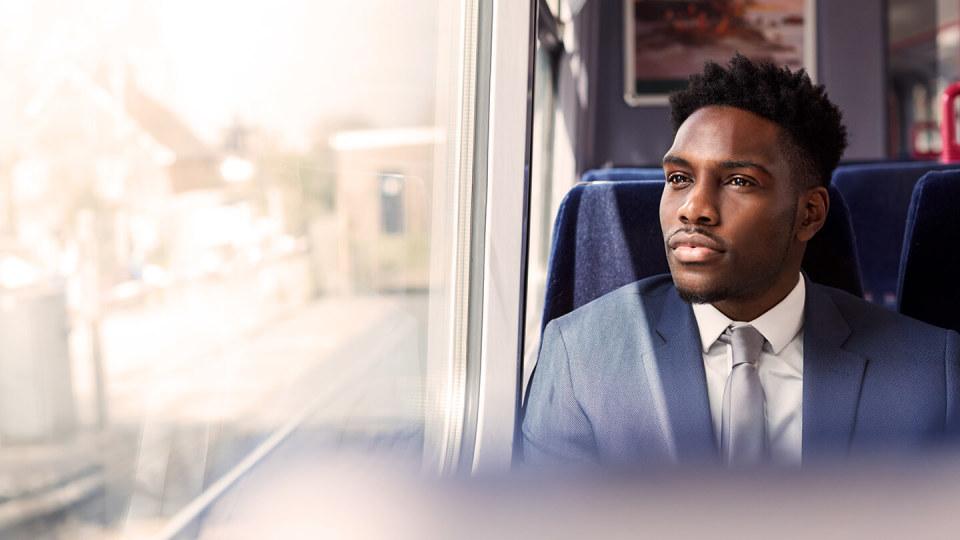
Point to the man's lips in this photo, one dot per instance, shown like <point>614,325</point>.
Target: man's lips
<point>694,248</point>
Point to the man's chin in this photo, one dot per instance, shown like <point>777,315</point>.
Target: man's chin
<point>703,294</point>
<point>700,297</point>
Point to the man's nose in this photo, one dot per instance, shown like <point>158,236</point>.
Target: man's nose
<point>699,205</point>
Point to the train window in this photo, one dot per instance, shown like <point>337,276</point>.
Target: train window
<point>557,90</point>
<point>541,203</point>
<point>922,45</point>
<point>229,233</point>
<point>567,42</point>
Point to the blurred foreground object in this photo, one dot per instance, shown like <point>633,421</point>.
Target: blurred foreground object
<point>377,499</point>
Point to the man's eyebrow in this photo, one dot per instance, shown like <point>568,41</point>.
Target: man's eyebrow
<point>742,164</point>
<point>675,160</point>
<point>729,164</point>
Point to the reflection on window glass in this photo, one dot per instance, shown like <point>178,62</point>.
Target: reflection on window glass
<point>216,234</point>
<point>542,203</point>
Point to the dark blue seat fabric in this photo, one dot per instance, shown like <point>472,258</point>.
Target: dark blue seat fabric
<point>930,262</point>
<point>878,196</point>
<point>615,175</point>
<point>832,257</point>
<point>607,234</point>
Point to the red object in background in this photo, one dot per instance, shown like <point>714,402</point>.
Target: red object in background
<point>948,125</point>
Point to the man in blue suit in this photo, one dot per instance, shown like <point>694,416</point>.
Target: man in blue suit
<point>736,356</point>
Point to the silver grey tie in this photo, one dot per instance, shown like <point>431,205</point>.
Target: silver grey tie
<point>743,431</point>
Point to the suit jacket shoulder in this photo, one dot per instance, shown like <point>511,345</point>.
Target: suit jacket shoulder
<point>879,334</point>
<point>875,379</point>
<point>608,312</point>
<point>593,395</point>
<point>603,334</point>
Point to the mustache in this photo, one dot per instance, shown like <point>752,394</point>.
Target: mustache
<point>698,231</point>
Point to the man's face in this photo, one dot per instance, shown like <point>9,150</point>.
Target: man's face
<point>729,206</point>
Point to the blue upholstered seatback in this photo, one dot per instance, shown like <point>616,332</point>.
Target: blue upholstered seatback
<point>832,257</point>
<point>615,175</point>
<point>607,234</point>
<point>930,263</point>
<point>878,196</point>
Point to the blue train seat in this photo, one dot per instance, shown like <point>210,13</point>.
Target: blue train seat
<point>878,196</point>
<point>930,262</point>
<point>618,174</point>
<point>607,234</point>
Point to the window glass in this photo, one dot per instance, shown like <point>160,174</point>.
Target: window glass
<point>542,203</point>
<point>225,230</point>
<point>923,47</point>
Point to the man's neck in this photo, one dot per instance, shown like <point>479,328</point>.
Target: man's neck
<point>748,309</point>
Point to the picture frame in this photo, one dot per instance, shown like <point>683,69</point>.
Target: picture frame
<point>666,41</point>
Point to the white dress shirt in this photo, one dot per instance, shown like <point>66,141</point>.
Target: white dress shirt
<point>780,369</point>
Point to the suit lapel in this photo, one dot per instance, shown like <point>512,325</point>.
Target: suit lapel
<point>832,378</point>
<point>680,364</point>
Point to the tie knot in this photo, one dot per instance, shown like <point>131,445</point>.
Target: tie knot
<point>746,342</point>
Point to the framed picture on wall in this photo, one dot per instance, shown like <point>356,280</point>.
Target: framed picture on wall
<point>666,41</point>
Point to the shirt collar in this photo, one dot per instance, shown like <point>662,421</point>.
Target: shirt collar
<point>779,325</point>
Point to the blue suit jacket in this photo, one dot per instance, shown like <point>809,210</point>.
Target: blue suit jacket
<point>621,380</point>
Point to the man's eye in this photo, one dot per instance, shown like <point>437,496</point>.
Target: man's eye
<point>678,178</point>
<point>740,181</point>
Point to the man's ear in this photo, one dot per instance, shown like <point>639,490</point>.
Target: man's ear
<point>812,210</point>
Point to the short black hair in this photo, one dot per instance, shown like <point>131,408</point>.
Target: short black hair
<point>787,98</point>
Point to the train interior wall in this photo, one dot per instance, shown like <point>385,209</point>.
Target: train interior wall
<point>603,130</point>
